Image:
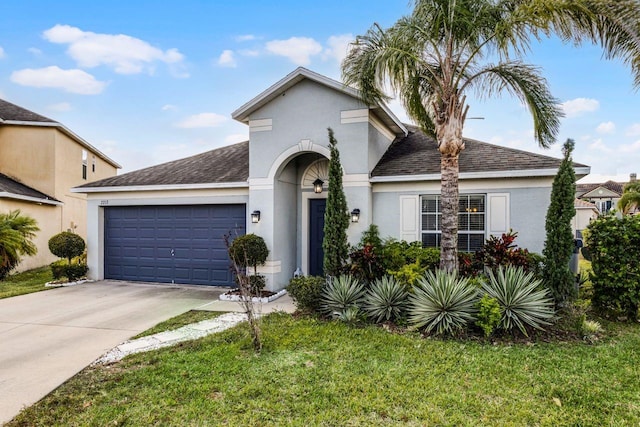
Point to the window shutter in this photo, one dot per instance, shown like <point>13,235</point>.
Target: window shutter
<point>498,218</point>
<point>409,218</point>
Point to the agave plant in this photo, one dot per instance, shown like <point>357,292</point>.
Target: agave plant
<point>341,295</point>
<point>443,301</point>
<point>386,300</point>
<point>522,299</point>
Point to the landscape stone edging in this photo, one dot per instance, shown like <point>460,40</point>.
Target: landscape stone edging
<point>55,284</point>
<point>226,297</point>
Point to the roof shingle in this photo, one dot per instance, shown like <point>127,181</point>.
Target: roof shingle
<point>417,154</point>
<point>222,165</point>
<point>12,112</point>
<point>11,186</point>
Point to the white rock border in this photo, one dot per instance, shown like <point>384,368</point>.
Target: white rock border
<point>227,297</point>
<point>55,284</point>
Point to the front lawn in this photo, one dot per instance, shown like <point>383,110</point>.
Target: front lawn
<point>313,372</point>
<point>26,282</point>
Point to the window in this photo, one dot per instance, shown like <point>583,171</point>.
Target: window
<point>93,164</point>
<point>471,221</point>
<point>84,164</point>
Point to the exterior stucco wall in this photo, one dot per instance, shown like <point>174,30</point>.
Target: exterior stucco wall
<point>27,154</point>
<point>48,218</point>
<point>96,202</point>
<point>529,199</point>
<point>304,112</point>
<point>378,145</point>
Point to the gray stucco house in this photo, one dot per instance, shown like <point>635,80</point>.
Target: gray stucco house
<point>165,223</point>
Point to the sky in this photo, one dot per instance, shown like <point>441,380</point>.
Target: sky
<point>149,81</point>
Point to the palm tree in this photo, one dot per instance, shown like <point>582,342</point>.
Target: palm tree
<point>441,52</point>
<point>630,199</point>
<point>16,234</point>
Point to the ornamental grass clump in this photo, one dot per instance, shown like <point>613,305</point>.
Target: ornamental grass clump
<point>443,302</point>
<point>386,300</point>
<point>342,296</point>
<point>523,301</point>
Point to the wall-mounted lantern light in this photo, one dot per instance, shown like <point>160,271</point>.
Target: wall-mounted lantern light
<point>317,186</point>
<point>255,217</point>
<point>355,215</point>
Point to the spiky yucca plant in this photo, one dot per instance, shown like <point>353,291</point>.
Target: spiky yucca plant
<point>386,300</point>
<point>341,295</point>
<point>523,301</point>
<point>443,301</point>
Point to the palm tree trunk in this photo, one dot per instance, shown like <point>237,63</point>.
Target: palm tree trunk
<point>449,197</point>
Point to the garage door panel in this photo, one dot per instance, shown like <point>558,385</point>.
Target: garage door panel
<point>139,242</point>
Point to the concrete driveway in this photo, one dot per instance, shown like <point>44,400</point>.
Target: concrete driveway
<point>47,337</point>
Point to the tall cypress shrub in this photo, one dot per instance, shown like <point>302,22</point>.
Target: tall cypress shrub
<point>336,217</point>
<point>559,244</point>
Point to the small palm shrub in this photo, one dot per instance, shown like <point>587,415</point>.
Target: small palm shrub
<point>386,300</point>
<point>443,302</point>
<point>306,292</point>
<point>489,314</point>
<point>522,299</point>
<point>341,296</point>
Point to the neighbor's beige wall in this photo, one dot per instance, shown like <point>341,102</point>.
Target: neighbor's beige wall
<point>48,218</point>
<point>26,154</point>
<point>68,172</point>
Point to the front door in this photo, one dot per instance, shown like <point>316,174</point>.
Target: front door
<point>316,235</point>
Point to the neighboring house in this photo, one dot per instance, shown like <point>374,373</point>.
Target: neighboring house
<point>165,223</point>
<point>40,161</point>
<point>604,195</point>
<point>585,213</point>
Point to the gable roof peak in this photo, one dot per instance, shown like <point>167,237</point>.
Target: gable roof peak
<point>10,112</point>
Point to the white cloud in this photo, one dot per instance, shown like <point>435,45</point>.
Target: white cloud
<point>202,120</point>
<point>60,107</point>
<point>34,51</point>
<point>124,54</point>
<point>74,81</point>
<point>606,127</point>
<point>245,38</point>
<point>2,54</point>
<point>578,106</point>
<point>227,59</point>
<point>168,107</point>
<point>633,148</point>
<point>297,49</point>
<point>633,130</point>
<point>338,47</point>
<point>599,146</point>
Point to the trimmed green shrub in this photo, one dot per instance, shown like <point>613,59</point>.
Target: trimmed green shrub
<point>58,269</point>
<point>306,292</point>
<point>409,274</point>
<point>397,253</point>
<point>443,302</point>
<point>386,300</point>
<point>75,271</point>
<point>614,245</point>
<point>523,300</point>
<point>489,314</point>
<point>66,245</point>
<point>340,294</point>
<point>249,250</point>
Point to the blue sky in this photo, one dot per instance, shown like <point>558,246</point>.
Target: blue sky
<point>152,81</point>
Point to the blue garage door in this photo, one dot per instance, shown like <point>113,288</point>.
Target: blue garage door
<point>171,244</point>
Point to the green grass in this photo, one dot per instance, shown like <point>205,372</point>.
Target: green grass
<point>191,316</point>
<point>313,372</point>
<point>26,282</point>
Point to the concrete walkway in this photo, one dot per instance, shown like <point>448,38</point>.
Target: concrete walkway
<point>49,336</point>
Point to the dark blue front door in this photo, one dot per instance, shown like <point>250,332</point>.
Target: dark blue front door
<point>171,244</point>
<point>316,235</point>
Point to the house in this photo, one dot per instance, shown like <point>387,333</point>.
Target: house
<point>585,213</point>
<point>604,195</point>
<point>165,223</point>
<point>40,161</point>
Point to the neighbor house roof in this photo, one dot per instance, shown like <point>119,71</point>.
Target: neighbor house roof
<point>416,156</point>
<point>227,165</point>
<point>382,111</point>
<point>12,189</point>
<point>11,114</point>
<point>583,204</point>
<point>616,187</point>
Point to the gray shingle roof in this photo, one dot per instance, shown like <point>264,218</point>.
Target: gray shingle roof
<point>11,186</point>
<point>417,154</point>
<point>9,111</point>
<point>222,165</point>
<point>616,187</point>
